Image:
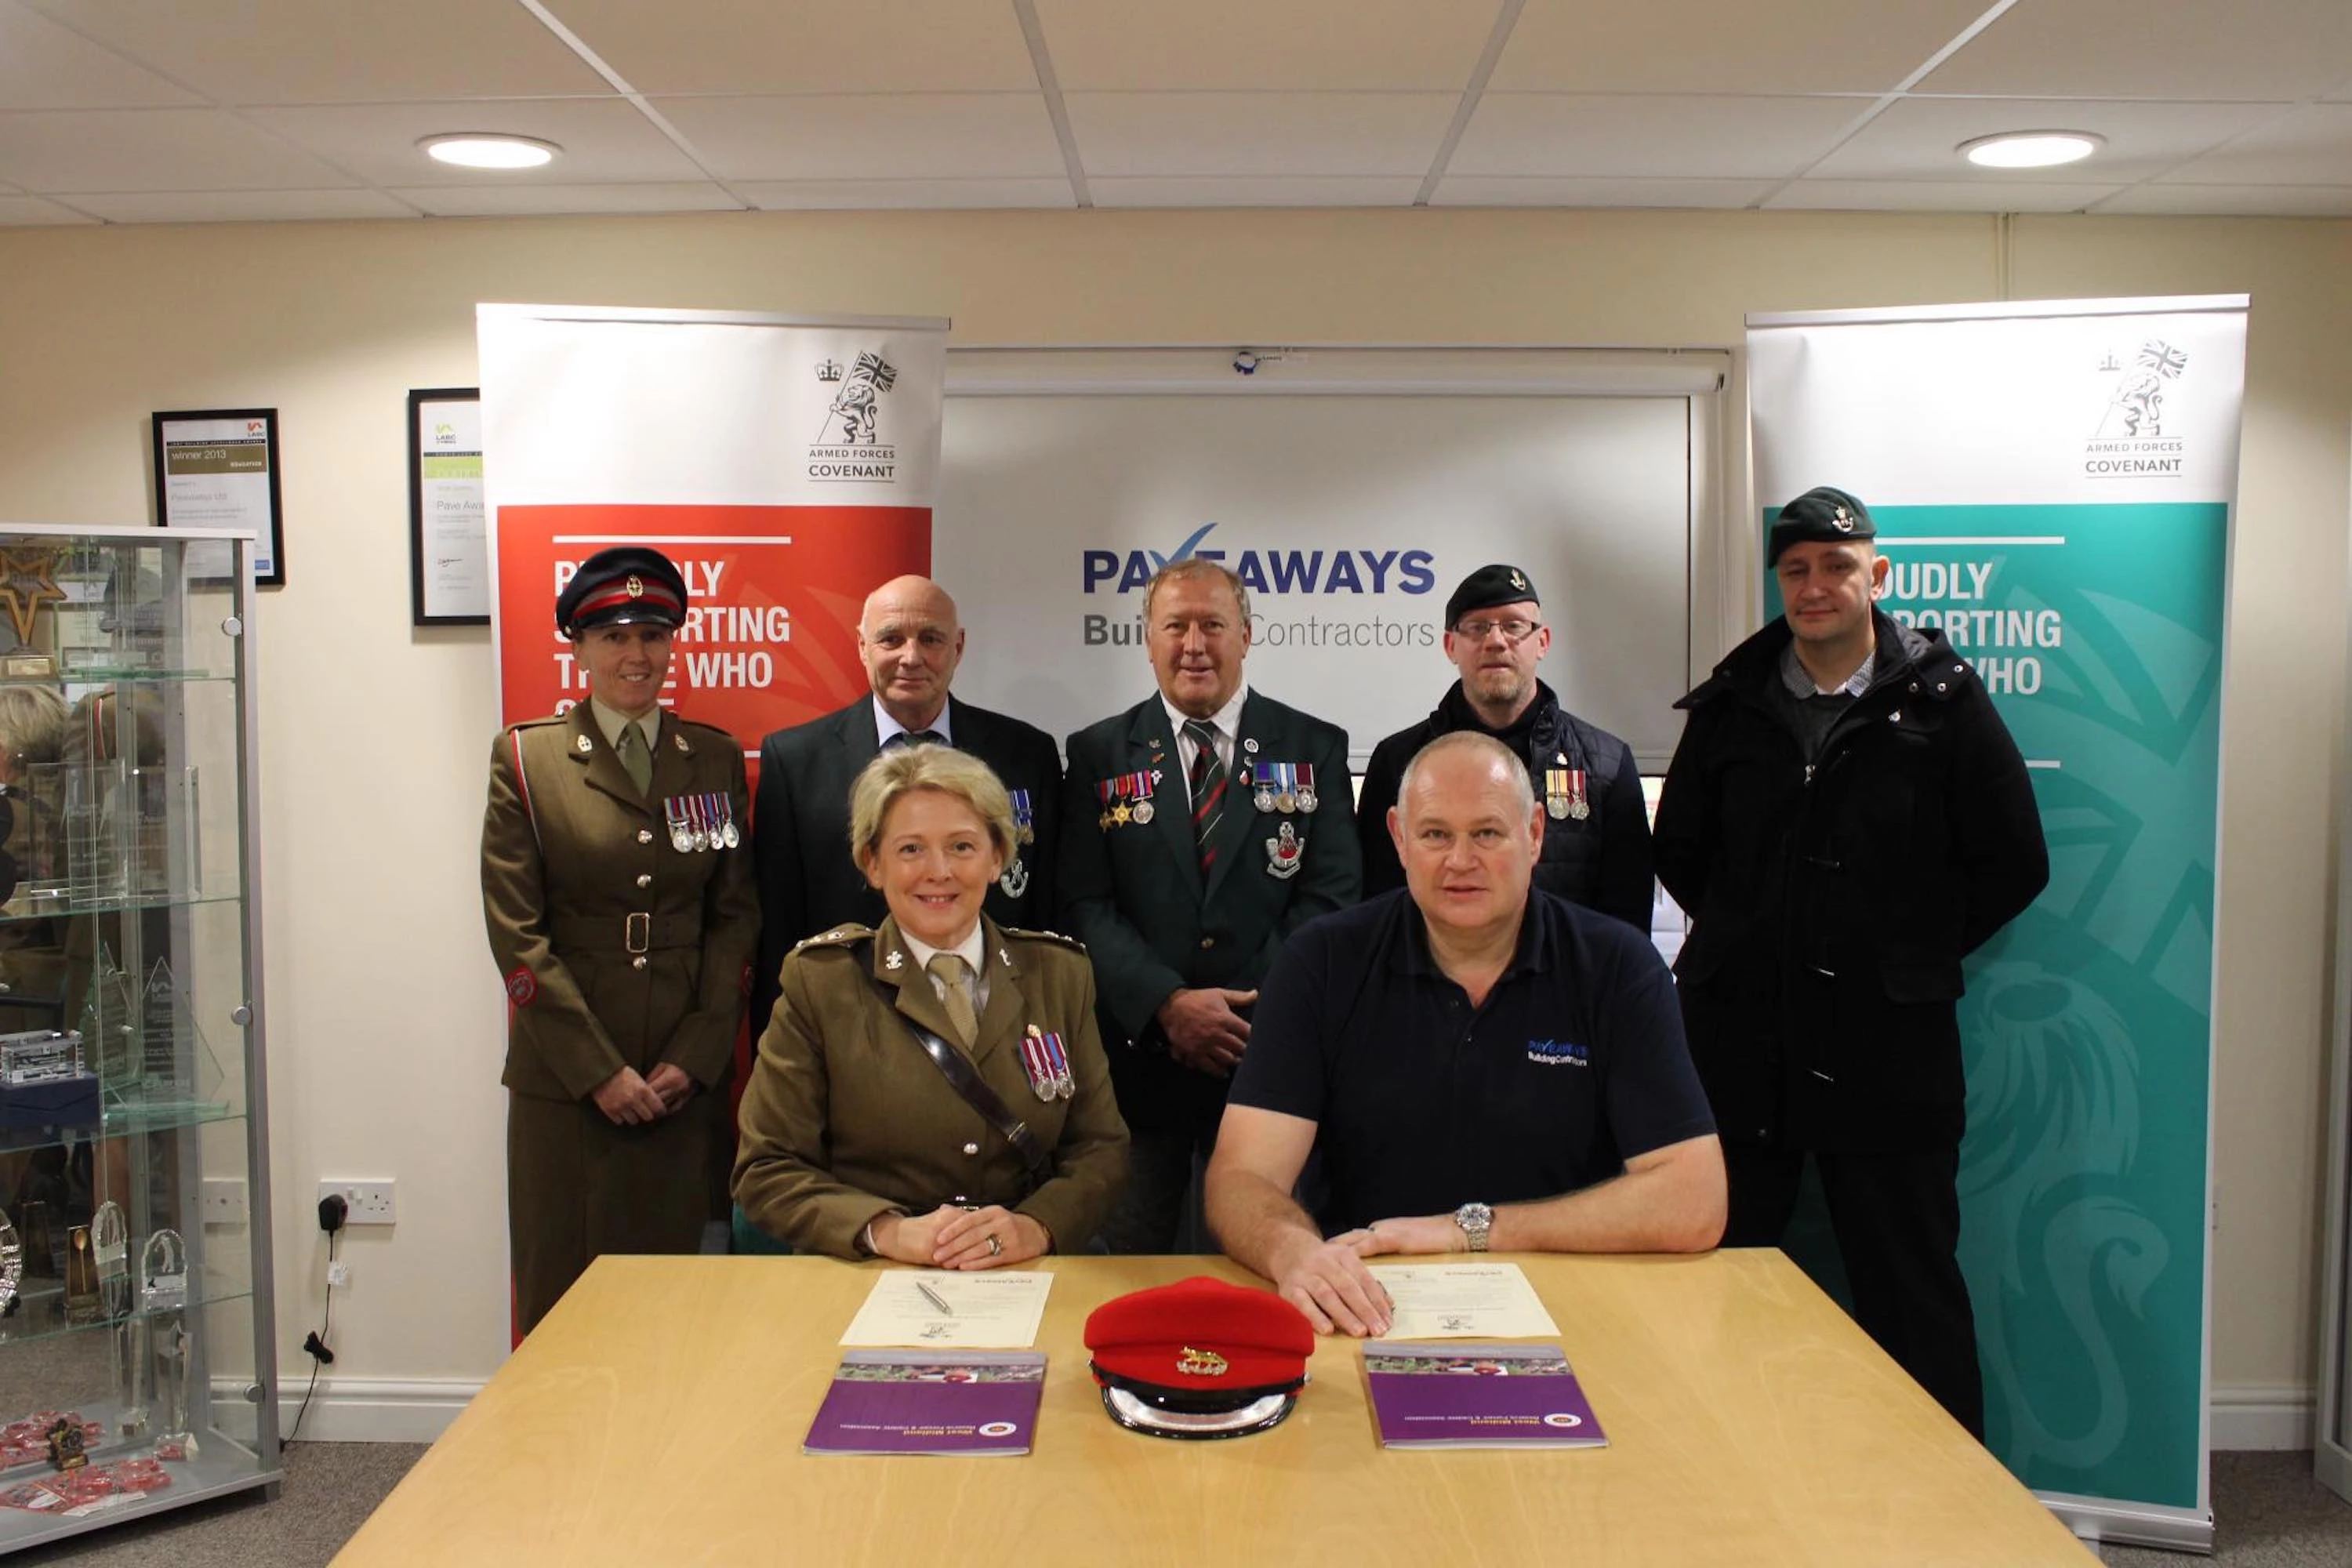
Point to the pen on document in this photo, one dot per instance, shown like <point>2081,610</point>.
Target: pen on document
<point>936,1299</point>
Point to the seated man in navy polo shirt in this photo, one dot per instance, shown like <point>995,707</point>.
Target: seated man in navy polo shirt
<point>1480,1064</point>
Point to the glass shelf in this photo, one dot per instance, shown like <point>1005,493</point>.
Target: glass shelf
<point>41,1310</point>
<point>38,905</point>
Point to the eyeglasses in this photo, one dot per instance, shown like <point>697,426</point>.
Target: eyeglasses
<point>1516,631</point>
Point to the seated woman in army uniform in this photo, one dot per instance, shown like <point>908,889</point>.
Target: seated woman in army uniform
<point>936,1091</point>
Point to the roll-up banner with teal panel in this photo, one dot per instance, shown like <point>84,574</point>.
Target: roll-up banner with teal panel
<point>2052,486</point>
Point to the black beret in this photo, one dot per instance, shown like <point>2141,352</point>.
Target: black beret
<point>1823,514</point>
<point>1488,587</point>
<point>619,588</point>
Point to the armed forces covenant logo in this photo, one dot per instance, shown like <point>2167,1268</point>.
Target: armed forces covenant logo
<point>849,445</point>
<point>2130,442</point>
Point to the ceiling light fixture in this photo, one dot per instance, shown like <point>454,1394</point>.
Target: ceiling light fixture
<point>489,149</point>
<point>2031,149</point>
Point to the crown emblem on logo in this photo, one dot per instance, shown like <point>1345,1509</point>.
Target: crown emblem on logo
<point>636,587</point>
<point>828,370</point>
<point>1201,1363</point>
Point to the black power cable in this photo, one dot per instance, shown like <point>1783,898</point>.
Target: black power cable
<point>332,1212</point>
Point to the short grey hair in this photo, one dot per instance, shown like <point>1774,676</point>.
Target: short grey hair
<point>1196,566</point>
<point>1485,746</point>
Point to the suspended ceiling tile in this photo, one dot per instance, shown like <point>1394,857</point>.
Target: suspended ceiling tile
<point>1961,196</point>
<point>1553,191</point>
<point>152,150</point>
<point>336,51</point>
<point>2235,201</point>
<point>1319,133</point>
<point>820,195</point>
<point>1640,137</point>
<point>2307,146</point>
<point>1259,191</point>
<point>238,206</point>
<point>44,66</point>
<point>31,212</point>
<point>1265,45</point>
<point>539,201</point>
<point>604,140</point>
<point>2274,49</point>
<point>876,136</point>
<point>806,46</point>
<point>1918,137</point>
<point>1728,47</point>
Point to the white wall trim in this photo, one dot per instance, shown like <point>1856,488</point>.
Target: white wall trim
<point>376,1409</point>
<point>2264,1415</point>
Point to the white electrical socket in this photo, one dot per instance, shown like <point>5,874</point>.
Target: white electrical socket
<point>365,1203</point>
<point>224,1200</point>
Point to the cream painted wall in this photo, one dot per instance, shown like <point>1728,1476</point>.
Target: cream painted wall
<point>384,1011</point>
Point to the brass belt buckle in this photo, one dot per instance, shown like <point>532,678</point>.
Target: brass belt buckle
<point>640,937</point>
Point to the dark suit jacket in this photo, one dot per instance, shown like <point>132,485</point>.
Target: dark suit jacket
<point>808,883</point>
<point>1132,892</point>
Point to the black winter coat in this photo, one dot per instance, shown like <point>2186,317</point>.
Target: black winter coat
<point>1832,904</point>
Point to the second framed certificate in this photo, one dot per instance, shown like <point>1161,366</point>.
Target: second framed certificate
<point>448,532</point>
<point>218,467</point>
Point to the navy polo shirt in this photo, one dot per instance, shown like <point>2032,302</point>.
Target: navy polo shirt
<point>1422,1103</point>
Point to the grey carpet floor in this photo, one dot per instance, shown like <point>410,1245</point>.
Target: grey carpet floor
<point>2269,1514</point>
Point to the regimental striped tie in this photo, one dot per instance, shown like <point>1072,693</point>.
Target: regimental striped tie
<point>1208,781</point>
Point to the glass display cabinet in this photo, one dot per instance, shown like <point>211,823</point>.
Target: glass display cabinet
<point>137,1349</point>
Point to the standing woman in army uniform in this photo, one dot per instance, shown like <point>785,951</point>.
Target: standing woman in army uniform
<point>935,1092</point>
<point>617,880</point>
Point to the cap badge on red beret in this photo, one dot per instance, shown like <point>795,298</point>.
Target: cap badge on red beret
<point>636,586</point>
<point>1201,1363</point>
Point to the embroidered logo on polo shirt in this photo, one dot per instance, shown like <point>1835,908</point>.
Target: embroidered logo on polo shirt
<point>1556,1054</point>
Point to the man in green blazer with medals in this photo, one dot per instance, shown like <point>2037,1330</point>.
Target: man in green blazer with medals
<point>1199,828</point>
<point>910,644</point>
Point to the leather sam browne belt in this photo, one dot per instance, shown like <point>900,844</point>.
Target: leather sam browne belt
<point>626,933</point>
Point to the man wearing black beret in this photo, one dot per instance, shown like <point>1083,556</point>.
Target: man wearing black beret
<point>1845,820</point>
<point>1596,843</point>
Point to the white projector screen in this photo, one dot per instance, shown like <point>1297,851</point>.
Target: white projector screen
<point>1352,512</point>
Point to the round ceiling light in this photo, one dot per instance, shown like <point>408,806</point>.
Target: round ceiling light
<point>489,149</point>
<point>2031,149</point>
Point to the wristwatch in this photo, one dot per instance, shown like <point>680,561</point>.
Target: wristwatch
<point>1476,1220</point>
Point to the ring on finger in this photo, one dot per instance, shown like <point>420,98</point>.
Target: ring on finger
<point>995,1247</point>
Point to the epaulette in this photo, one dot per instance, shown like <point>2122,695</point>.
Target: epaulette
<point>839,936</point>
<point>1073,943</point>
<point>543,718</point>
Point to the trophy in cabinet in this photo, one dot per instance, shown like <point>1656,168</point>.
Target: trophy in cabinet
<point>164,1266</point>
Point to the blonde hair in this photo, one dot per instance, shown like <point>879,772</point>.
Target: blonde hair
<point>904,769</point>
<point>34,723</point>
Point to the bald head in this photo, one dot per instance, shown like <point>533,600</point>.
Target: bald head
<point>909,642</point>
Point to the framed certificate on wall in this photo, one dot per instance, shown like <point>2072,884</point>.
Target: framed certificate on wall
<point>448,532</point>
<point>218,467</point>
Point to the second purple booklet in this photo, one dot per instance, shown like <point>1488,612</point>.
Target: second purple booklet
<point>930,1401</point>
<point>1465,1395</point>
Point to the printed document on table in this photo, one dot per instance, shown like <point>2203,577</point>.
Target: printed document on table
<point>1461,1300</point>
<point>999,1310</point>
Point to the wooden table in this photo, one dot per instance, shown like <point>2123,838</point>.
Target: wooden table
<point>656,1418</point>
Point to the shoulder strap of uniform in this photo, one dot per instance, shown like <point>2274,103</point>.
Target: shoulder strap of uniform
<point>848,935</point>
<point>1073,943</point>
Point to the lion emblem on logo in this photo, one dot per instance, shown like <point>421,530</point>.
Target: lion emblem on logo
<point>856,404</point>
<point>2137,407</point>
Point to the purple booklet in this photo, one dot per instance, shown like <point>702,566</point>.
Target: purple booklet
<point>1459,1394</point>
<point>930,1401</point>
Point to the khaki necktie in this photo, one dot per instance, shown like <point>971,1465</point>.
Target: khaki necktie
<point>949,968</point>
<point>635,756</point>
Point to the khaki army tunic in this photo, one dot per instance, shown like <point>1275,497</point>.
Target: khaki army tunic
<point>619,950</point>
<point>847,1119</point>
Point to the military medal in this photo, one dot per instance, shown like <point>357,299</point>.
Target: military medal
<point>698,808</point>
<point>1308,799</point>
<point>1285,787</point>
<point>1261,787</point>
<point>1048,1064</point>
<point>1139,787</point>
<point>728,834</point>
<point>1564,794</point>
<point>1283,854</point>
<point>681,838</point>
